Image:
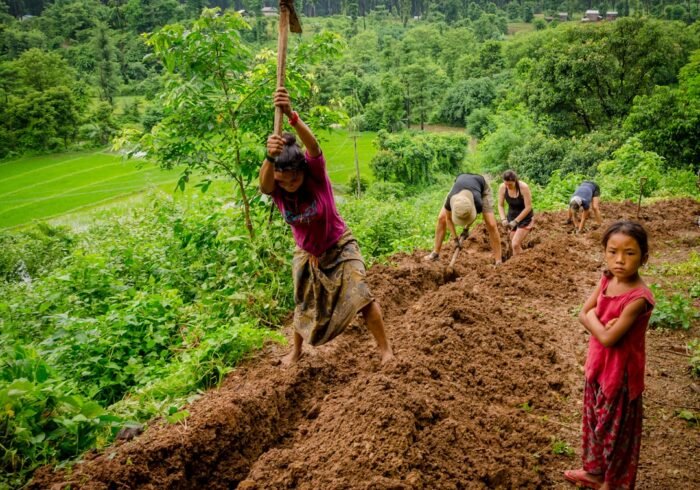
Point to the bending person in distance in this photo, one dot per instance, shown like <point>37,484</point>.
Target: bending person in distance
<point>469,196</point>
<point>585,198</point>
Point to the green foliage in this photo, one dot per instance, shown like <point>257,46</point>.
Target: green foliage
<point>415,158</point>
<point>42,102</point>
<point>479,122</point>
<point>107,69</point>
<point>513,129</point>
<point>32,252</point>
<point>693,418</point>
<point>586,76</point>
<point>631,169</point>
<point>389,220</point>
<point>100,126</point>
<point>352,184</point>
<point>538,157</point>
<point>562,448</point>
<point>154,305</point>
<point>383,190</point>
<point>216,98</point>
<point>540,24</point>
<point>668,121</point>
<point>465,97</point>
<point>490,26</point>
<point>42,420</point>
<point>673,311</point>
<point>694,348</point>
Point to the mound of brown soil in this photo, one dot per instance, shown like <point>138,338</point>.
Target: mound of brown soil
<point>488,376</point>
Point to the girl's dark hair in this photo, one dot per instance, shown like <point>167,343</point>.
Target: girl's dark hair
<point>510,176</point>
<point>631,229</point>
<point>292,156</point>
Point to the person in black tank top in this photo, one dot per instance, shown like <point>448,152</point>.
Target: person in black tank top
<point>519,220</point>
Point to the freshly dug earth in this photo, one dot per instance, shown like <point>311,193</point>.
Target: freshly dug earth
<point>487,382</point>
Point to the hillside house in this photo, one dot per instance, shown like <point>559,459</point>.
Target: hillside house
<point>591,16</point>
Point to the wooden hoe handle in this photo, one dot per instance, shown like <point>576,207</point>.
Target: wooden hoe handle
<point>281,61</point>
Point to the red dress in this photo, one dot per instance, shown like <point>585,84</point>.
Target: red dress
<point>612,412</point>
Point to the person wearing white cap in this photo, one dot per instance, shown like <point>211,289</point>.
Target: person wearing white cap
<point>469,196</point>
<point>586,197</point>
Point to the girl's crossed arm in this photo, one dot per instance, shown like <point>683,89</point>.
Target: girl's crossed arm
<point>609,334</point>
<point>589,305</point>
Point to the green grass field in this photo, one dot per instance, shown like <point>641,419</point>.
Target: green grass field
<point>339,149</point>
<point>44,187</point>
<point>47,186</point>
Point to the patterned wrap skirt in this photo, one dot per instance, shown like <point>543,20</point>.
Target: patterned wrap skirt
<point>329,290</point>
<point>612,435</point>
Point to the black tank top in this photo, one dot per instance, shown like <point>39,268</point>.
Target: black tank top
<point>516,205</point>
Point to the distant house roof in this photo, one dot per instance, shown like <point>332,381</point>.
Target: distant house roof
<point>592,12</point>
<point>612,12</point>
<point>269,10</point>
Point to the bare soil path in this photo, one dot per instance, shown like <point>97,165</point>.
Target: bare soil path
<point>488,376</point>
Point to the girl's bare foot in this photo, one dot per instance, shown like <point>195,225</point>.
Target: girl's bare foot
<point>583,478</point>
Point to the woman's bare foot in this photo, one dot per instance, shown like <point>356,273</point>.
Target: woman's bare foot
<point>291,358</point>
<point>387,355</point>
<point>296,351</point>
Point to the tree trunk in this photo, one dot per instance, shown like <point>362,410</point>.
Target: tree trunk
<point>246,204</point>
<point>246,207</point>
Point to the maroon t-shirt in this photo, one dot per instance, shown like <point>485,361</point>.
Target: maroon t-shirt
<point>310,211</point>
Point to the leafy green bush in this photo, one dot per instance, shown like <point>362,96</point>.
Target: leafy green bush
<point>562,448</point>
<point>26,254</point>
<point>416,158</point>
<point>43,419</point>
<point>352,184</point>
<point>154,305</point>
<point>385,224</point>
<point>621,177</point>
<point>512,129</point>
<point>384,190</point>
<point>673,311</point>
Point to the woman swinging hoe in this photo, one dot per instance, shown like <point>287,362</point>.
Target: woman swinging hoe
<point>329,274</point>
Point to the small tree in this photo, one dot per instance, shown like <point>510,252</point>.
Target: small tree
<point>217,99</point>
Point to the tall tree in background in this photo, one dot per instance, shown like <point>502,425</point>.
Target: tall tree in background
<point>588,76</point>
<point>43,102</point>
<point>107,69</point>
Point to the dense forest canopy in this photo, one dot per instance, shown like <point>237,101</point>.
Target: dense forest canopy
<point>562,95</point>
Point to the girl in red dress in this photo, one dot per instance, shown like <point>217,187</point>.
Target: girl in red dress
<point>617,315</point>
